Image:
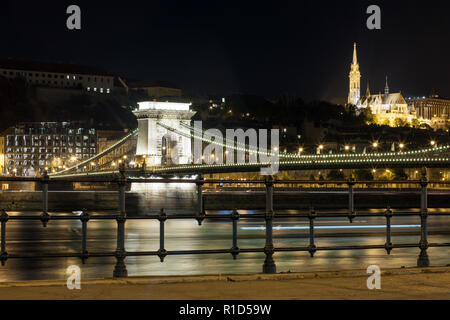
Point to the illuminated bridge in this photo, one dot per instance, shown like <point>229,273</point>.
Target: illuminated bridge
<point>437,157</point>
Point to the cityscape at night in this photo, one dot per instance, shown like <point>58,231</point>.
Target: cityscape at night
<point>212,153</point>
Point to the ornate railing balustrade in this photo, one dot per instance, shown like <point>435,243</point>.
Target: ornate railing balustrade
<point>269,216</point>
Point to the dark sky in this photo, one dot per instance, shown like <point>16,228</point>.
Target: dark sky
<point>250,46</point>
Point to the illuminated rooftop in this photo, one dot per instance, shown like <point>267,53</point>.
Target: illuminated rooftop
<point>157,105</point>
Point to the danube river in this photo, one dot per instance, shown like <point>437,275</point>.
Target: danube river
<point>143,235</point>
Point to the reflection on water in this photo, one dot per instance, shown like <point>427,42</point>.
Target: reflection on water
<point>170,196</point>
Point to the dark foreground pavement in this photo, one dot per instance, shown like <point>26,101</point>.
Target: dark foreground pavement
<point>404,284</point>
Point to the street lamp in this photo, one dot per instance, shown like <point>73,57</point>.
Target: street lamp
<point>320,148</point>
<point>433,143</point>
<point>401,146</point>
<point>347,147</point>
<point>375,145</point>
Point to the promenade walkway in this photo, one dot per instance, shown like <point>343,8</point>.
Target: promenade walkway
<point>413,283</point>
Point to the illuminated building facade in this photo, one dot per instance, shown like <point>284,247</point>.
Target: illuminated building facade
<point>433,111</point>
<point>30,148</point>
<point>58,75</point>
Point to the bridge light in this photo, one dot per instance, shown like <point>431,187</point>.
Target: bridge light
<point>347,148</point>
<point>401,145</point>
<point>300,149</point>
<point>433,143</point>
<point>375,145</point>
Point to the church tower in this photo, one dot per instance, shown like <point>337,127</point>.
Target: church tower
<point>355,80</point>
<point>386,89</point>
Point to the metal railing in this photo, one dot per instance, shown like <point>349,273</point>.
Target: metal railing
<point>269,216</point>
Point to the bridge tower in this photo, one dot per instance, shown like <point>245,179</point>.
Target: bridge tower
<point>160,145</point>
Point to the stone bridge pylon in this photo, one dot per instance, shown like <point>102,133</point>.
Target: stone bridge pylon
<point>160,145</point>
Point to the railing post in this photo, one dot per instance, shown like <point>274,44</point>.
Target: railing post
<point>312,247</point>
<point>388,245</point>
<point>351,199</point>
<point>269,264</point>
<point>200,215</point>
<point>162,217</point>
<point>84,220</point>
<point>423,260</point>
<point>3,254</point>
<point>120,269</point>
<point>45,217</point>
<point>235,248</point>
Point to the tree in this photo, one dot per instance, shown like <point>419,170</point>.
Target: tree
<point>335,175</point>
<point>400,174</point>
<point>435,174</point>
<point>399,122</point>
<point>415,123</point>
<point>366,116</point>
<point>364,175</point>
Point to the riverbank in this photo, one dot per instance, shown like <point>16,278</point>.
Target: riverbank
<point>402,284</point>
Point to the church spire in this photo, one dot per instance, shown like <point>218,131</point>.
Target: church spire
<point>368,90</point>
<point>355,58</point>
<point>386,88</point>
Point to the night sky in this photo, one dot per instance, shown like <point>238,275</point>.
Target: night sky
<point>267,48</point>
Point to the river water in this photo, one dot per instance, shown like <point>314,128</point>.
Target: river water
<point>143,235</point>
